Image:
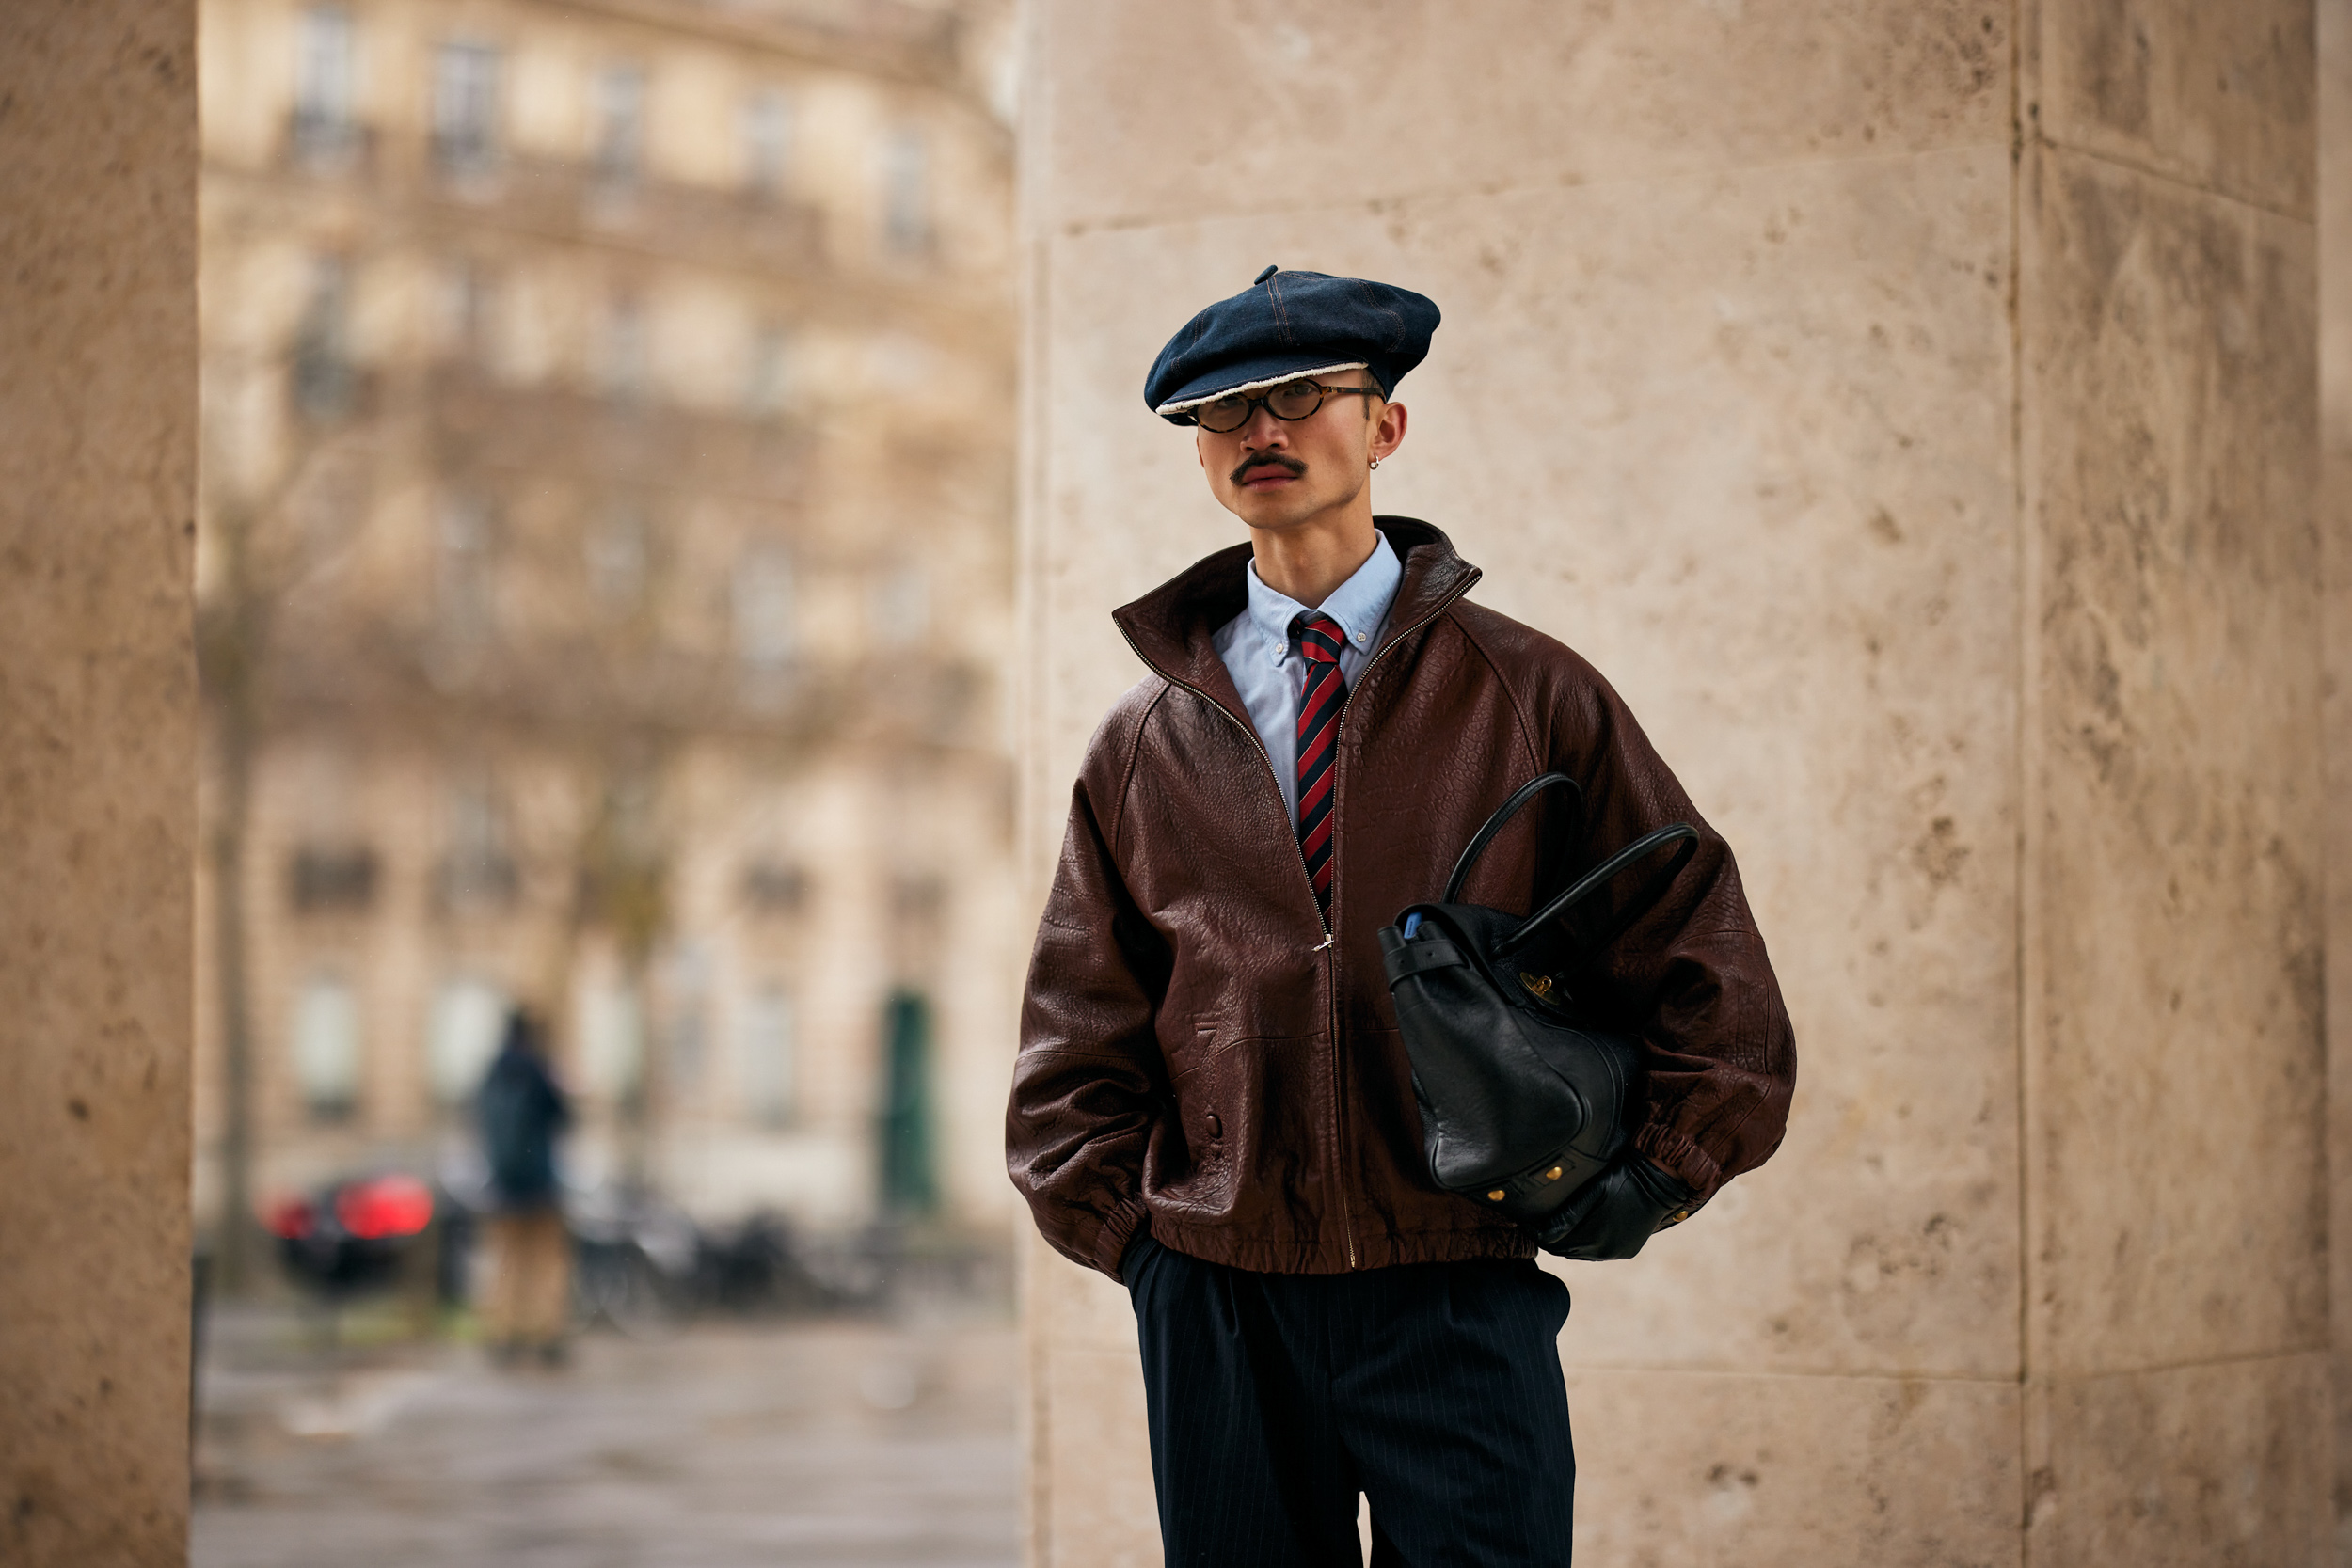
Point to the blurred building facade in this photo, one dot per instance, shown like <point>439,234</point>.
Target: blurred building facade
<point>604,583</point>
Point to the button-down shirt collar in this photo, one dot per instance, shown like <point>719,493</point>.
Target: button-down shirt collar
<point>1258,652</point>
<point>1359,605</point>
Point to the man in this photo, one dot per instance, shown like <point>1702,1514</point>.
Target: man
<point>523,1112</point>
<point>1211,1103</point>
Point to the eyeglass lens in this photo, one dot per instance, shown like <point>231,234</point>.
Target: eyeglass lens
<point>1293,402</point>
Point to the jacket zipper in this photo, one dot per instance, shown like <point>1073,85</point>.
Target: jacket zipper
<point>1331,988</point>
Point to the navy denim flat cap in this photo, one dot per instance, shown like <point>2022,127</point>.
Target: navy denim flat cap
<point>1287,325</point>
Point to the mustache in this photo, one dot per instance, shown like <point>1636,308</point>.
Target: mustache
<point>1269,460</point>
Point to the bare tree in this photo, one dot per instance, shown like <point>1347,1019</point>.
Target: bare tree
<point>256,541</point>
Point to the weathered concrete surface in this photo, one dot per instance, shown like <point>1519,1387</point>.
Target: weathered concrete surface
<point>1947,517</point>
<point>1913,1469</point>
<point>97,792</point>
<point>1256,106</point>
<point>2177,1174</point>
<point>2176,1299</point>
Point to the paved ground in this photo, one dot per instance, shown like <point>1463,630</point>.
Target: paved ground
<point>810,1444</point>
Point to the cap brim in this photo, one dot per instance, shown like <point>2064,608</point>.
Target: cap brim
<point>1193,398</point>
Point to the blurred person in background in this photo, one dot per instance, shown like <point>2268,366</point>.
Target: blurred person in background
<point>523,1112</point>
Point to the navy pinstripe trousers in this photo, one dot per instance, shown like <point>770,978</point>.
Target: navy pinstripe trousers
<point>1432,1388</point>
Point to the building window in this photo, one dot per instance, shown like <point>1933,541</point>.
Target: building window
<point>467,1025</point>
<point>918,898</point>
<point>468,312</point>
<point>902,607</point>
<point>685,993</point>
<point>906,199</point>
<point>773,887</point>
<point>768,379</point>
<point>616,559</point>
<point>761,595</point>
<point>612,1040</point>
<point>620,124</point>
<point>465,106</point>
<point>329,878</point>
<point>326,1047</point>
<point>627,350</point>
<point>465,589</point>
<point>767,131</point>
<point>768,1069</point>
<point>323,384</point>
<point>476,867</point>
<point>325,86</point>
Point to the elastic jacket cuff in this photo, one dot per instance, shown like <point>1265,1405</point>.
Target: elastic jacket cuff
<point>1676,1155</point>
<point>1128,1221</point>
<point>1132,1258</point>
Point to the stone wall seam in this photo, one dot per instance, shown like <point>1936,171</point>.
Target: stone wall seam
<point>2335,205</point>
<point>2148,170</point>
<point>1086,227</point>
<point>2192,1363</point>
<point>1033,683</point>
<point>2033,1434</point>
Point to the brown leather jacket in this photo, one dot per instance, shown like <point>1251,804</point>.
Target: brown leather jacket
<point>1200,1052</point>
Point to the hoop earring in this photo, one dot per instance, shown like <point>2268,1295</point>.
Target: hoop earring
<point>1375,462</point>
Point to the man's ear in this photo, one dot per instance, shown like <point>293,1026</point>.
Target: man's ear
<point>1389,433</point>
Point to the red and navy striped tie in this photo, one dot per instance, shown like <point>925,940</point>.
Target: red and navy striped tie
<point>1320,699</point>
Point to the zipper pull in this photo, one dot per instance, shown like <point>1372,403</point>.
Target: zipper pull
<point>1325,942</point>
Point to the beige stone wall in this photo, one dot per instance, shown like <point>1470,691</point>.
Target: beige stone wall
<point>97,794</point>
<point>2175,1279</point>
<point>1911,408</point>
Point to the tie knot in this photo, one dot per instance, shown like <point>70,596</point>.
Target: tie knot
<point>1320,639</point>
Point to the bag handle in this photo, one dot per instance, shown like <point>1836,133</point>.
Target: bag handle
<point>1587,885</point>
<point>1502,815</point>
<point>1593,880</point>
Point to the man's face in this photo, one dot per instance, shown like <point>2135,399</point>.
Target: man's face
<point>1274,473</point>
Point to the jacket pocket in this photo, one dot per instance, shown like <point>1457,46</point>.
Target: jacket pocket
<point>1199,1088</point>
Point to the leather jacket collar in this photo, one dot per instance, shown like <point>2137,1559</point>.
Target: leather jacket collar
<point>1172,627</point>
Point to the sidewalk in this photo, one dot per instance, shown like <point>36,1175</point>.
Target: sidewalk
<point>815,1443</point>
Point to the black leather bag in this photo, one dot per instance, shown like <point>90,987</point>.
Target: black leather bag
<point>1524,1099</point>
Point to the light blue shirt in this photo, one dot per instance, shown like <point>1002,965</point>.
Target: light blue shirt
<point>1263,659</point>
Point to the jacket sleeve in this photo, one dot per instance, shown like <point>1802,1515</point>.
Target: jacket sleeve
<point>1689,977</point>
<point>1089,1085</point>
